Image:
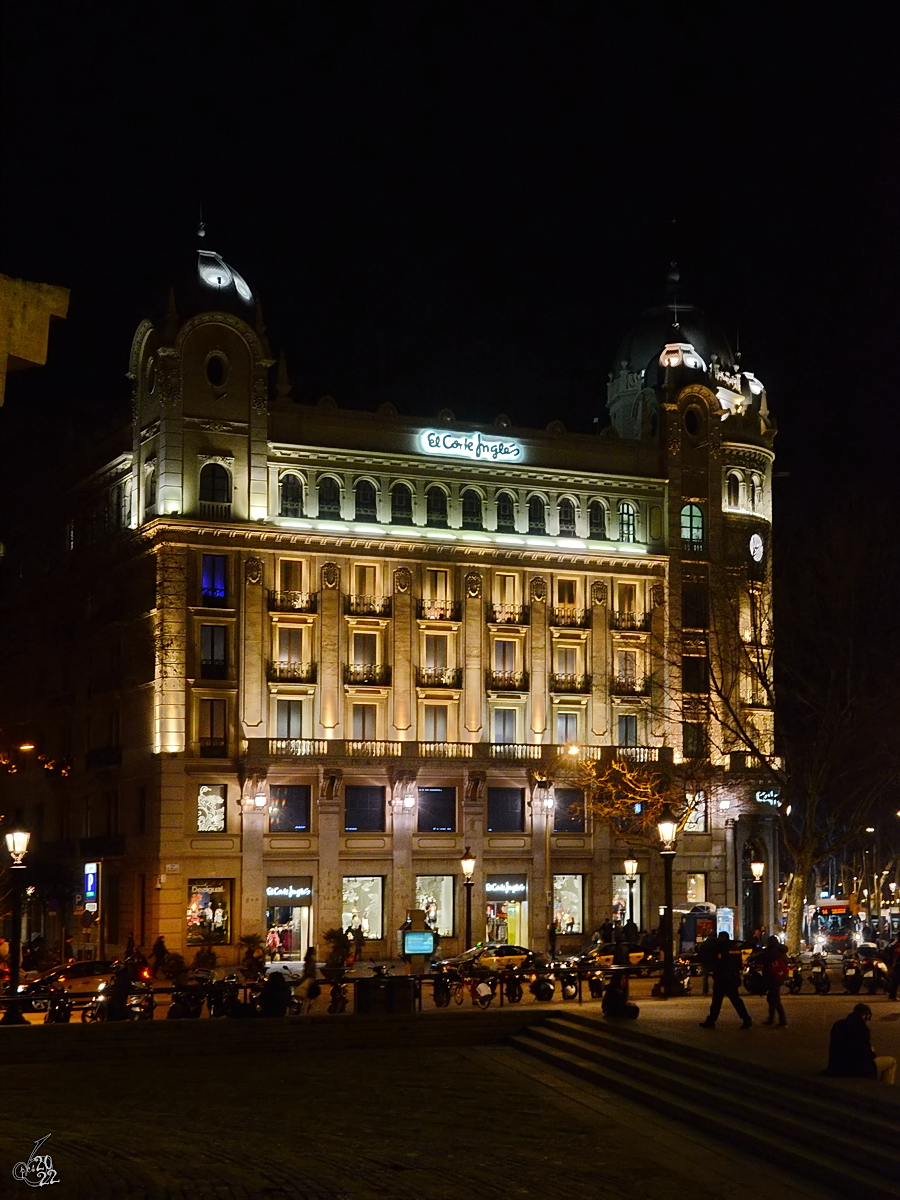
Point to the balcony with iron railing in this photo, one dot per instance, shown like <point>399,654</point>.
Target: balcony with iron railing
<point>507,614</point>
<point>375,674</point>
<point>629,685</point>
<point>566,616</point>
<point>213,668</point>
<point>439,610</point>
<point>693,546</point>
<point>215,510</point>
<point>213,598</point>
<point>507,681</point>
<point>570,683</point>
<point>367,606</point>
<point>292,672</point>
<point>305,602</point>
<point>450,677</point>
<point>637,621</point>
<point>213,747</point>
<point>512,752</point>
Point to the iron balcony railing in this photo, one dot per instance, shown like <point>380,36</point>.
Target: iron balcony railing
<point>629,685</point>
<point>439,610</point>
<point>507,681</point>
<point>570,683</point>
<point>213,668</point>
<point>629,620</point>
<point>439,677</point>
<point>305,602</point>
<point>508,614</point>
<point>378,674</point>
<point>293,672</point>
<point>367,606</point>
<point>692,545</point>
<point>566,616</point>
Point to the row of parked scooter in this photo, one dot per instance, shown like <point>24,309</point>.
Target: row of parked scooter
<point>861,970</point>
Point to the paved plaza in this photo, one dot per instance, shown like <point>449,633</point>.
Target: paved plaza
<point>340,1108</point>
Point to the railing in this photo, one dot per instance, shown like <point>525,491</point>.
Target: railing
<point>378,674</point>
<point>629,620</point>
<point>507,681</point>
<point>367,606</point>
<point>629,685</point>
<point>439,677</point>
<point>439,610</point>
<point>306,602</point>
<point>297,747</point>
<point>508,614</point>
<point>569,617</point>
<point>213,668</point>
<point>570,683</point>
<point>485,751</point>
<point>213,747</point>
<point>692,546</point>
<point>374,749</point>
<point>215,510</point>
<point>213,600</point>
<point>293,672</point>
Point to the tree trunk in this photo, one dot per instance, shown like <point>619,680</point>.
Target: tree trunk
<point>796,905</point>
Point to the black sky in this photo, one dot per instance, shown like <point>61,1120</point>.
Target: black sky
<point>467,205</point>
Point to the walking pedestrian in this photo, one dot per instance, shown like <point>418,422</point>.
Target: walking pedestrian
<point>706,956</point>
<point>726,973</point>
<point>850,1052</point>
<point>359,942</point>
<point>775,971</point>
<point>158,954</point>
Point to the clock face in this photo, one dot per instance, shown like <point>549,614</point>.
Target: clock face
<point>756,547</point>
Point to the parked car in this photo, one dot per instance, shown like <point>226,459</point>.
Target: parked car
<point>34,996</point>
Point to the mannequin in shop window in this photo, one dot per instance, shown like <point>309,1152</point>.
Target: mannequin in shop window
<point>273,944</point>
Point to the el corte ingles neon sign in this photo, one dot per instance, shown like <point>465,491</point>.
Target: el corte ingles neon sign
<point>469,445</point>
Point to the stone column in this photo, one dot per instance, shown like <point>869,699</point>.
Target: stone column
<point>538,681</point>
<point>331,666</point>
<point>599,663</point>
<point>329,893</point>
<point>474,802</point>
<point>403,824</point>
<point>472,656</point>
<point>253,882</point>
<point>252,651</point>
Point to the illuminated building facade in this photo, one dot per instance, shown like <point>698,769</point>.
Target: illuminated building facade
<point>313,654</point>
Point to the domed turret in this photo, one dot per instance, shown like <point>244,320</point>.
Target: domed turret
<point>214,286</point>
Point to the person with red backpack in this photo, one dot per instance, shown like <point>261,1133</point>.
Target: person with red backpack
<point>776,971</point>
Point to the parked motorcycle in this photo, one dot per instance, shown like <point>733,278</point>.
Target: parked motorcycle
<point>187,1002</point>
<point>818,975</point>
<point>851,971</point>
<point>137,1005</point>
<point>568,983</point>
<point>795,978</point>
<point>754,981</point>
<point>512,987</point>
<point>59,1008</point>
<point>441,988</point>
<point>873,968</point>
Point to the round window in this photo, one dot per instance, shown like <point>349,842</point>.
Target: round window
<point>693,421</point>
<point>216,370</point>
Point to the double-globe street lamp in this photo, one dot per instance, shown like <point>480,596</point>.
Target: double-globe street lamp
<point>667,824</point>
<point>17,844</point>
<point>467,862</point>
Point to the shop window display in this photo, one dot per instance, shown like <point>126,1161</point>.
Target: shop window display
<point>620,899</point>
<point>209,911</point>
<point>568,903</point>
<point>363,904</point>
<point>434,895</point>
<point>696,888</point>
<point>211,808</point>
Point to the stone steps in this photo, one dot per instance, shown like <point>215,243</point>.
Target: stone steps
<point>808,1127</point>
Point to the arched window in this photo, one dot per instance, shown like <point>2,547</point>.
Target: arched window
<point>733,490</point>
<point>692,527</point>
<point>365,501</point>
<point>215,484</point>
<point>506,513</point>
<point>329,497</point>
<point>291,496</point>
<point>597,519</point>
<point>401,504</point>
<point>627,522</point>
<point>567,518</point>
<point>436,508</point>
<point>756,493</point>
<point>537,515</point>
<point>472,510</point>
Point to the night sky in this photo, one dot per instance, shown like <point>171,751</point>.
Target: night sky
<point>466,205</point>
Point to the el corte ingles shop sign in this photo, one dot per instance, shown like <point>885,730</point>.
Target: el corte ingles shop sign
<point>469,445</point>
<point>289,891</point>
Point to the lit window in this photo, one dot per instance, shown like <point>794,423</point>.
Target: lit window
<point>692,525</point>
<point>627,522</point>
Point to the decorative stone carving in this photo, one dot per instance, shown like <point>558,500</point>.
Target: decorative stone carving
<point>402,580</point>
<point>168,378</point>
<point>330,576</point>
<point>538,588</point>
<point>599,592</point>
<point>473,584</point>
<point>227,460</point>
<point>253,570</point>
<point>658,595</point>
<point>475,781</point>
<point>260,394</point>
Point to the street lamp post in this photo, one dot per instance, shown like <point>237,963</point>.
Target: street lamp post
<point>17,844</point>
<point>668,828</point>
<point>468,868</point>
<point>548,804</point>
<point>630,876</point>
